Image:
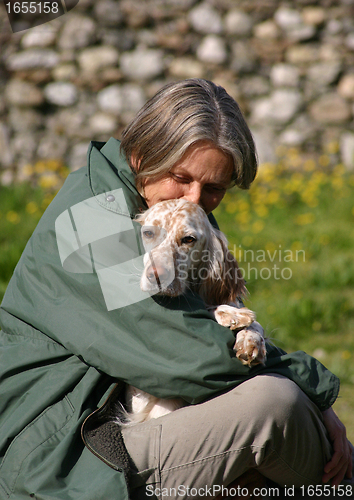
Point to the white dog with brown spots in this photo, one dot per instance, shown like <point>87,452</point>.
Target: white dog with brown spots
<point>184,251</point>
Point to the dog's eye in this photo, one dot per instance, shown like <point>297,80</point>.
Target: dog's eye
<point>188,240</point>
<point>148,234</point>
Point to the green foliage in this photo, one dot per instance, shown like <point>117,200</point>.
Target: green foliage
<point>292,234</point>
<point>20,210</point>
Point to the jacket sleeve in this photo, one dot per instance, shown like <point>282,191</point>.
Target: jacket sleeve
<point>167,347</point>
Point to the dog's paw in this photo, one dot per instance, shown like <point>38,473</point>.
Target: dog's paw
<point>232,317</point>
<point>250,345</point>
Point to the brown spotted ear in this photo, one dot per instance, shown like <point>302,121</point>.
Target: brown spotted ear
<point>224,282</point>
<point>141,217</point>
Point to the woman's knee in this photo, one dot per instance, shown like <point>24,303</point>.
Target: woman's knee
<point>270,395</point>
<point>275,402</point>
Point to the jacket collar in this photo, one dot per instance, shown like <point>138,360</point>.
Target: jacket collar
<point>107,171</point>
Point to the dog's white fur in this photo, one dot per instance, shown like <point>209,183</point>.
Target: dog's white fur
<point>184,251</point>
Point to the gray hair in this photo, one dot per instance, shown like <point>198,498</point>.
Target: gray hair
<point>181,114</point>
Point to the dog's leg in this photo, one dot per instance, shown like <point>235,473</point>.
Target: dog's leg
<point>250,345</point>
<point>233,317</point>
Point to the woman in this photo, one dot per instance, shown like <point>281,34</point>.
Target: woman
<point>74,323</point>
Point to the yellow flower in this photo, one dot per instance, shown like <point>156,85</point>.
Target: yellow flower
<point>273,197</point>
<point>228,197</point>
<point>48,181</point>
<point>297,245</point>
<point>31,207</point>
<point>270,247</point>
<point>40,167</point>
<point>54,165</point>
<point>308,196</point>
<point>243,206</point>
<point>339,169</point>
<point>309,165</point>
<point>231,207</point>
<point>259,196</point>
<point>292,152</point>
<point>332,147</point>
<point>337,182</point>
<point>51,165</point>
<point>296,182</point>
<point>298,294</point>
<point>266,172</point>
<point>243,217</point>
<point>258,226</point>
<point>13,217</point>
<point>346,355</point>
<point>27,170</point>
<point>318,178</point>
<point>304,219</point>
<point>324,160</point>
<point>261,210</point>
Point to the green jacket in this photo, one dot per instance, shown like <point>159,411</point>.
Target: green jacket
<point>74,322</point>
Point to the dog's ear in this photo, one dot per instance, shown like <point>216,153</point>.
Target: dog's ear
<point>140,218</point>
<point>224,282</point>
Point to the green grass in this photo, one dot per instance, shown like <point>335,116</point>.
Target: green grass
<point>20,210</point>
<point>292,233</point>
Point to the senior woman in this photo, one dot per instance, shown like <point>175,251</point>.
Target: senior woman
<point>76,328</point>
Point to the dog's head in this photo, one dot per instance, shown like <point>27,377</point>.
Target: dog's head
<point>183,251</point>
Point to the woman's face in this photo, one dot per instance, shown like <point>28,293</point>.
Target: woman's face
<point>201,176</point>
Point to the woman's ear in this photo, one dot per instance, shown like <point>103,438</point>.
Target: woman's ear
<point>224,282</point>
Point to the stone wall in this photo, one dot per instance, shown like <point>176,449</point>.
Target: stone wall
<point>83,76</point>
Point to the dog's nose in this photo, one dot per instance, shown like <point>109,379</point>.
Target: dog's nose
<point>157,274</point>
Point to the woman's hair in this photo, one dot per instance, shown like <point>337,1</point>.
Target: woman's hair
<point>181,114</point>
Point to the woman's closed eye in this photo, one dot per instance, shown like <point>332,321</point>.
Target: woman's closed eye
<point>180,178</point>
<point>207,187</point>
<point>213,187</point>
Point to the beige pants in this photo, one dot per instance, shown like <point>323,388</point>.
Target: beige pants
<point>266,423</point>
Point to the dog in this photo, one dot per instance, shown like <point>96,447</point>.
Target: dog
<point>184,251</point>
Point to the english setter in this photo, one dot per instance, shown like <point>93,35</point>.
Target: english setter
<point>184,251</point>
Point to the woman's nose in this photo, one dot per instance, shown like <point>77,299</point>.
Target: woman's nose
<point>193,194</point>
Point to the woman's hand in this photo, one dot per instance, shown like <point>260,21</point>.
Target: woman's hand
<point>340,465</point>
